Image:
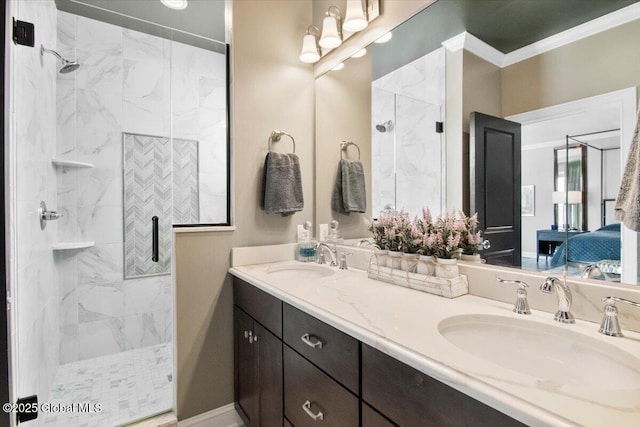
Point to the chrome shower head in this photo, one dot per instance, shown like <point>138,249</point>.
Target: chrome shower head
<point>67,66</point>
<point>385,127</point>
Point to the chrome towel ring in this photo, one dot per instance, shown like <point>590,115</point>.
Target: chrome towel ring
<point>345,144</point>
<point>276,135</point>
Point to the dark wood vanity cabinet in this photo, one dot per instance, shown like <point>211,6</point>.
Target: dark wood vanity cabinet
<point>311,396</point>
<point>293,370</point>
<point>258,356</point>
<point>410,398</point>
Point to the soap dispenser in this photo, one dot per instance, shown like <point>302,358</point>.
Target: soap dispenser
<point>306,250</point>
<point>334,234</point>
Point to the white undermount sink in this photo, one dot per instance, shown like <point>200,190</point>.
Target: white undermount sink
<point>300,271</point>
<point>556,356</point>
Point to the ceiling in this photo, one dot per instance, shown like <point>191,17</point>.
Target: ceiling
<point>507,25</point>
<point>200,23</point>
<point>594,121</point>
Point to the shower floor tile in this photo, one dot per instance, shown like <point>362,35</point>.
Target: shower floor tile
<point>130,385</point>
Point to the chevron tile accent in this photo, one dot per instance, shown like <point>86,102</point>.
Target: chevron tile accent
<point>186,201</point>
<point>149,184</point>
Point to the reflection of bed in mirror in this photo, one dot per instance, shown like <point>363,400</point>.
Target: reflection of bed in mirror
<point>590,248</point>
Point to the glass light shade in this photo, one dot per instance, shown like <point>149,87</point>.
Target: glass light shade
<point>560,197</point>
<point>175,4</point>
<point>385,38</point>
<point>309,53</point>
<point>355,19</point>
<point>338,67</point>
<point>359,54</point>
<point>330,36</point>
<point>575,197</point>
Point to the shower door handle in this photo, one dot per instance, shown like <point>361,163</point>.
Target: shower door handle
<point>154,240</point>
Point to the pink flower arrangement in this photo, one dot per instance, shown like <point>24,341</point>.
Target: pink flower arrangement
<point>445,237</point>
<point>471,237</point>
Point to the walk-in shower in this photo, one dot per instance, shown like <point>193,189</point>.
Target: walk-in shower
<point>122,136</point>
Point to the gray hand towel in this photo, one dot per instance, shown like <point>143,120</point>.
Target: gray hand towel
<point>349,192</point>
<point>282,184</point>
<point>628,200</point>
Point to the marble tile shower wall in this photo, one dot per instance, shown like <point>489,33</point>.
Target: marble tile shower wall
<point>34,121</point>
<point>413,98</point>
<point>128,82</point>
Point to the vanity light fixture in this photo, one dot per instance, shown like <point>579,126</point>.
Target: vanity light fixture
<point>355,18</point>
<point>359,54</point>
<point>310,52</point>
<point>338,67</point>
<point>175,4</point>
<point>385,38</point>
<point>331,32</point>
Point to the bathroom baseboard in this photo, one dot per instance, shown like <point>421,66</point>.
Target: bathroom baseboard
<point>224,416</point>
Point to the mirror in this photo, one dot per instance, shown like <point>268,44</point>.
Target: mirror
<point>503,82</point>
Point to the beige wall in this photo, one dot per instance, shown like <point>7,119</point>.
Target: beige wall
<point>343,113</point>
<point>272,89</point>
<point>595,65</point>
<point>481,91</point>
<point>481,88</point>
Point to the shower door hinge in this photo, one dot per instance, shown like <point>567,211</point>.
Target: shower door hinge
<point>23,33</point>
<point>26,409</point>
<point>439,127</point>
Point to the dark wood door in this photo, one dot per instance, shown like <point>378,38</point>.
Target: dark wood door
<point>268,352</point>
<point>495,149</point>
<point>245,370</point>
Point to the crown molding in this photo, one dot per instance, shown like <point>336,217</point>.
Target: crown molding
<point>595,26</point>
<point>485,51</point>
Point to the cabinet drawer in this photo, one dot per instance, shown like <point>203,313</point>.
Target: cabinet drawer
<point>410,398</point>
<point>304,383</point>
<point>334,352</point>
<point>263,307</point>
<point>371,418</point>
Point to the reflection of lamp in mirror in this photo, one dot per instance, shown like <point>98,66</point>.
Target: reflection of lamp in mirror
<point>573,198</point>
<point>310,52</point>
<point>331,33</point>
<point>175,4</point>
<point>359,54</point>
<point>355,18</point>
<point>385,38</point>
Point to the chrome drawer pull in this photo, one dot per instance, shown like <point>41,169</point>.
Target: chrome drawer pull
<point>306,338</point>
<point>314,417</point>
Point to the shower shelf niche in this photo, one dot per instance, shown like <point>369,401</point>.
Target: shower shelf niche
<point>71,164</point>
<point>71,245</point>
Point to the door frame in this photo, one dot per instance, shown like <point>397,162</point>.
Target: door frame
<point>626,101</point>
<point>7,370</point>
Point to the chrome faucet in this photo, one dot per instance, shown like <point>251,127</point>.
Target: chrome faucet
<point>563,315</point>
<point>333,252</point>
<point>343,261</point>
<point>522,306</point>
<point>610,325</point>
<point>591,270</point>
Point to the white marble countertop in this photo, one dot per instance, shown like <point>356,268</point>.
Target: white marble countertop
<point>403,323</point>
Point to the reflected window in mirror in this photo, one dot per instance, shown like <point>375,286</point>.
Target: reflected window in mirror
<point>570,188</point>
